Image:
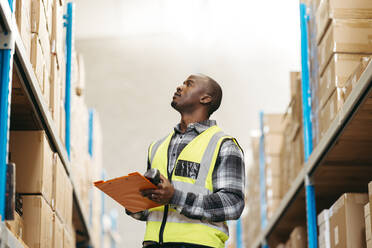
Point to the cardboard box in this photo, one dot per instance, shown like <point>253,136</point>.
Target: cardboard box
<point>273,144</point>
<point>272,205</point>
<point>57,34</point>
<point>39,27</point>
<point>55,90</point>
<point>273,186</point>
<point>57,232</point>
<point>68,239</point>
<point>345,36</point>
<point>273,167</point>
<point>62,123</point>
<point>324,229</point>
<point>38,222</point>
<point>37,60</point>
<point>336,74</point>
<point>328,113</point>
<point>68,202</point>
<point>23,19</point>
<point>274,123</point>
<point>370,200</point>
<point>298,237</point>
<point>48,10</point>
<point>59,175</point>
<point>367,218</point>
<point>340,9</point>
<point>16,226</point>
<point>46,92</point>
<point>347,221</point>
<point>31,153</point>
<point>296,97</point>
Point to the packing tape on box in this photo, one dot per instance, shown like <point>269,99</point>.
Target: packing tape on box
<point>336,235</point>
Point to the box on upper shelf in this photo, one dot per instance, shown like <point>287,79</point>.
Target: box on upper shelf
<point>57,232</point>
<point>328,113</point>
<point>345,36</point>
<point>31,153</point>
<point>336,74</point>
<point>39,27</point>
<point>37,60</point>
<point>55,90</point>
<point>340,9</point>
<point>23,18</point>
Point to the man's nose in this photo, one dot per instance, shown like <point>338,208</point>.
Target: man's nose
<point>179,88</point>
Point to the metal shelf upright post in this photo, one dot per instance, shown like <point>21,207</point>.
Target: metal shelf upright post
<point>6,68</point>
<point>263,177</point>
<point>69,46</point>
<point>308,145</point>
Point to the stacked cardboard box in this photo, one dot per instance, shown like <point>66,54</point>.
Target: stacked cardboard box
<point>86,167</point>
<point>369,231</point>
<point>44,185</point>
<point>347,221</point>
<point>367,220</point>
<point>40,24</point>
<point>324,229</point>
<point>62,193</point>
<point>342,29</point>
<point>297,239</point>
<point>251,222</point>
<point>292,158</point>
<point>274,128</point>
<point>344,223</point>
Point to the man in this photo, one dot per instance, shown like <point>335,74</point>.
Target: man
<point>202,174</point>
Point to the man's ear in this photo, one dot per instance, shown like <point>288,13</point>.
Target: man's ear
<point>205,99</point>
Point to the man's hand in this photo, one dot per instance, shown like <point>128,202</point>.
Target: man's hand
<point>163,194</point>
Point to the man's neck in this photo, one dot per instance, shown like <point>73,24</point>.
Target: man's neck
<point>188,119</point>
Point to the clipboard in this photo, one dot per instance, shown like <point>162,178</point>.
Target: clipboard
<point>126,191</point>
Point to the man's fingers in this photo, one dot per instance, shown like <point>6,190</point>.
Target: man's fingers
<point>146,192</point>
<point>163,179</point>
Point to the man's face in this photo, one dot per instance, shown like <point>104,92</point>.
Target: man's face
<point>187,97</point>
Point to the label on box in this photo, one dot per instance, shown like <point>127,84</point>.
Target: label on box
<point>336,235</point>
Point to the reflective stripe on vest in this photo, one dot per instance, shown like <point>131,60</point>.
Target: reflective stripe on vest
<point>202,150</point>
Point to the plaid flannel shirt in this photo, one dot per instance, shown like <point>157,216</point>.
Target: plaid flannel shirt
<point>228,178</point>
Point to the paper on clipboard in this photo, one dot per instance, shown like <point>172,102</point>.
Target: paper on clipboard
<point>126,191</point>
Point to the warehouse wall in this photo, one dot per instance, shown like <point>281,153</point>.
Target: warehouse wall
<point>140,51</point>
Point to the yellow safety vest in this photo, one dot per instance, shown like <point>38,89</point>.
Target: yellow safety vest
<point>165,224</point>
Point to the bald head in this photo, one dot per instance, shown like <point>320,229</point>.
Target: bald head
<point>198,94</point>
<point>214,90</point>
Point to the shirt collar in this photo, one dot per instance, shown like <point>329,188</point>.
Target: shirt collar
<point>199,127</point>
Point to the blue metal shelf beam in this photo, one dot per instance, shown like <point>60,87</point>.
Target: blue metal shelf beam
<point>308,141</point>
<point>6,64</point>
<point>69,25</point>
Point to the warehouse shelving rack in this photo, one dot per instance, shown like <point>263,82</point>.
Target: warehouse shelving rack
<point>341,162</point>
<point>44,119</point>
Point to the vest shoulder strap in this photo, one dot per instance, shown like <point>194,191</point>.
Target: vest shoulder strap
<point>155,146</point>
